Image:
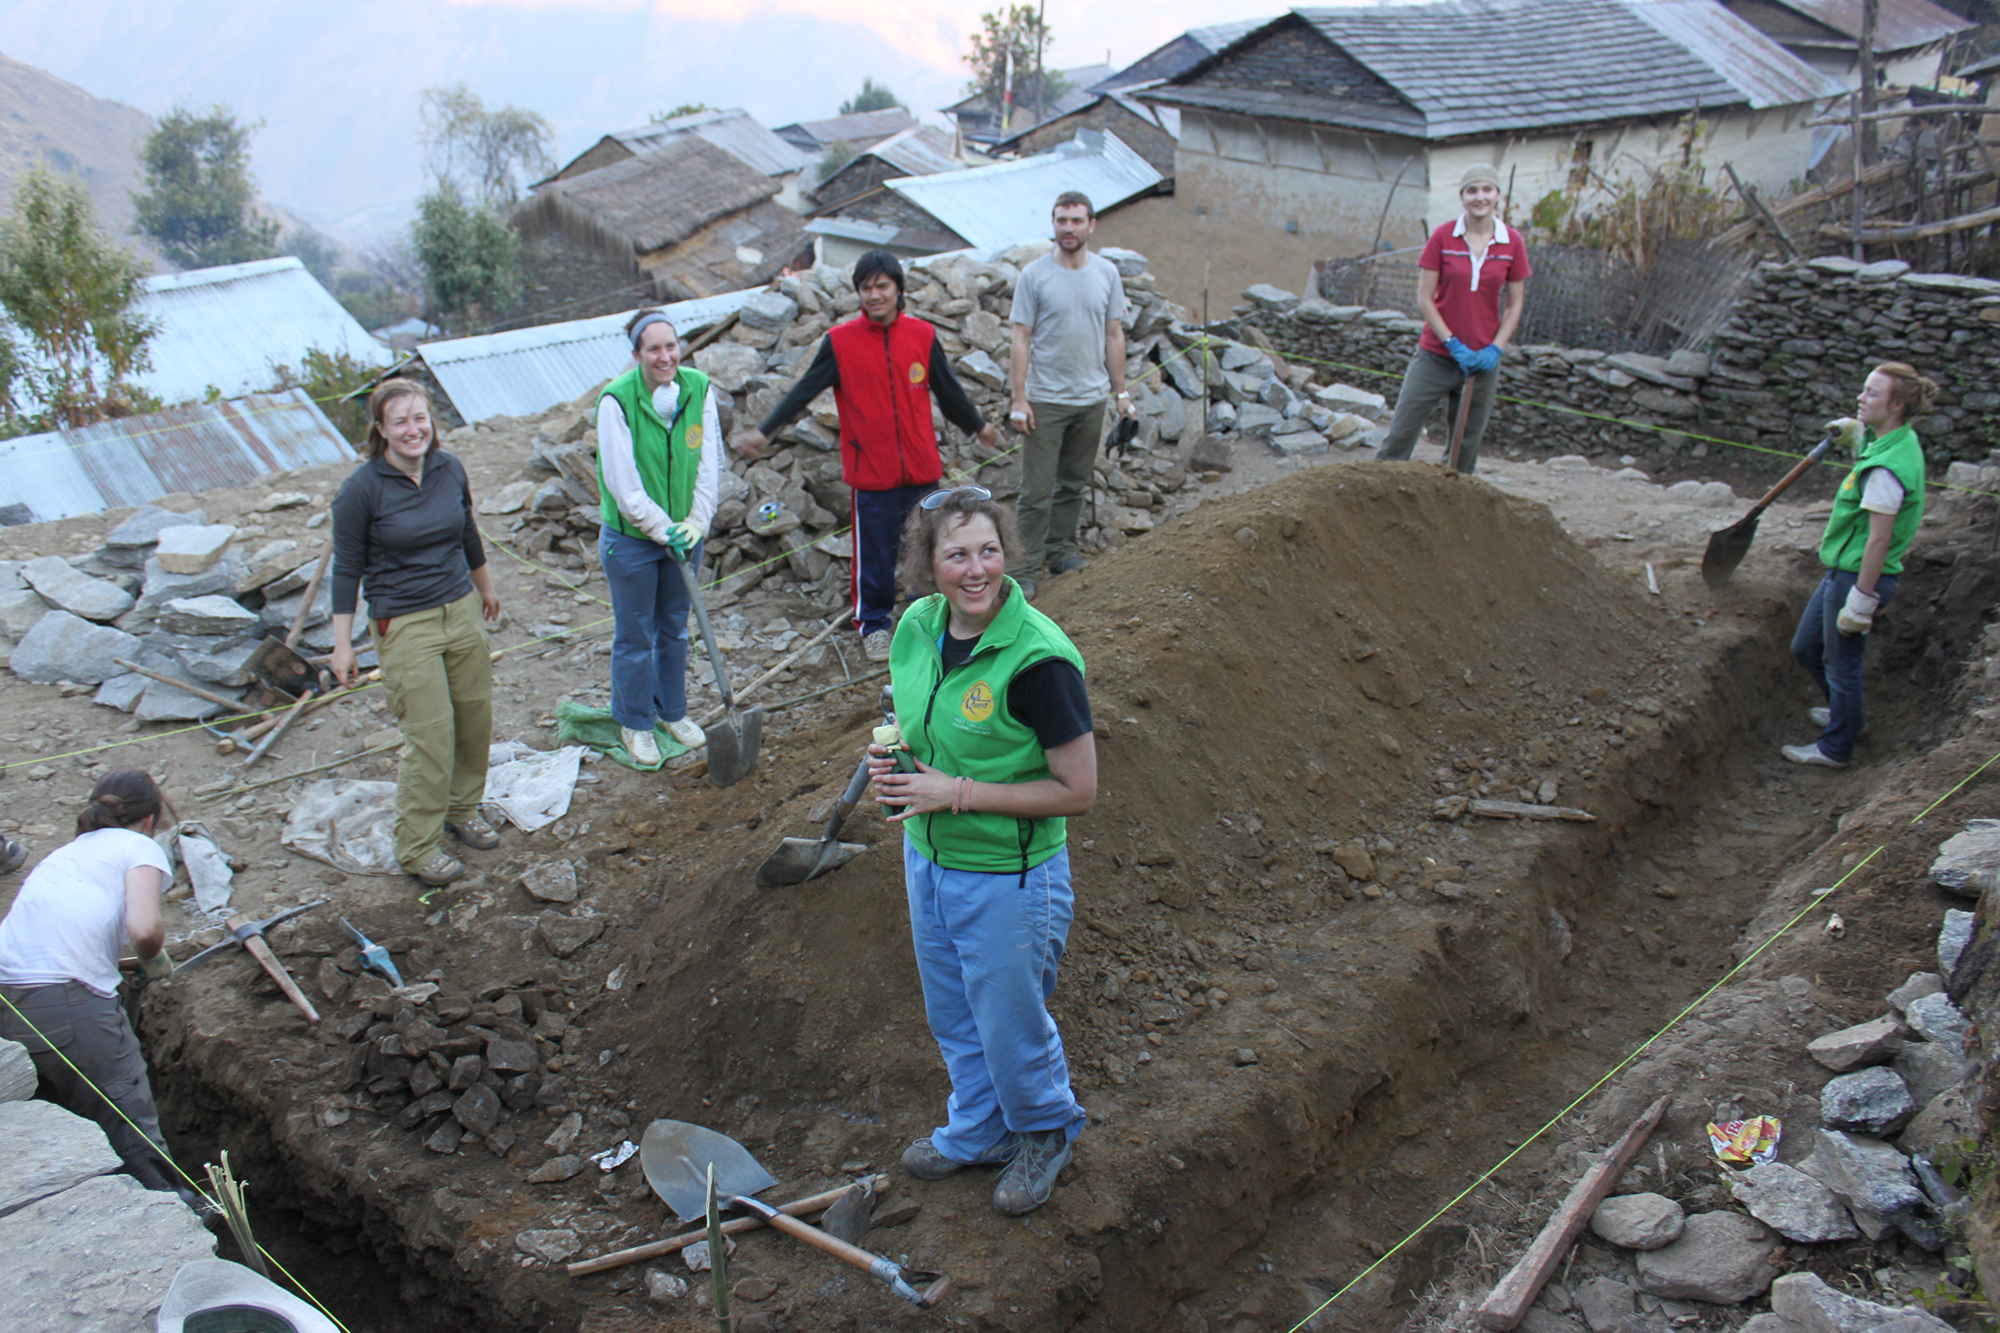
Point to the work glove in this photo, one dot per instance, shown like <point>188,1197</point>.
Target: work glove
<point>1858,616</point>
<point>1847,434</point>
<point>157,968</point>
<point>1468,360</point>
<point>1487,357</point>
<point>681,538</point>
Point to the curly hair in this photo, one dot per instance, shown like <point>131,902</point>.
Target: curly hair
<point>923,528</point>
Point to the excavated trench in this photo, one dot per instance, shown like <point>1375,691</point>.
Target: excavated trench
<point>1302,1009</point>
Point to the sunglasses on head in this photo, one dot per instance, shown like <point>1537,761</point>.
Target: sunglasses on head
<point>937,498</point>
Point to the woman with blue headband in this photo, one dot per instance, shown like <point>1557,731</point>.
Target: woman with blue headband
<point>660,483</point>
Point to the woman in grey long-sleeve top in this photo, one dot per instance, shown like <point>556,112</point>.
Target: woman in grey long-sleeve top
<point>403,525</point>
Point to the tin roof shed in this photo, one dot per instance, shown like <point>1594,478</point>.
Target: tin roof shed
<point>1000,205</point>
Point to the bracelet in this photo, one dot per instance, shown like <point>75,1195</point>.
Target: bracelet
<point>961,795</point>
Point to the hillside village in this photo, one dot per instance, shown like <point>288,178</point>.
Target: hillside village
<point>1447,917</point>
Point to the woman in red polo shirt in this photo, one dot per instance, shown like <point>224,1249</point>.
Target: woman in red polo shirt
<point>1470,284</point>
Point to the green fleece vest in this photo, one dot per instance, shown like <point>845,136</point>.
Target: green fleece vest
<point>958,722</point>
<point>669,458</point>
<point>1847,531</point>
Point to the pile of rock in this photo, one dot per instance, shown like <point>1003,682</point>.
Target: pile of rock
<point>782,517</point>
<point>167,591</point>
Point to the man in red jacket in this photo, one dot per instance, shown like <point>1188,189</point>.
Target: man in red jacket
<point>883,366</point>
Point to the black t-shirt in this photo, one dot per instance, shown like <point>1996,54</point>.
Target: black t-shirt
<point>1048,696</point>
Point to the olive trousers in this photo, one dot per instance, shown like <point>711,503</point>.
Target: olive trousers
<point>438,670</point>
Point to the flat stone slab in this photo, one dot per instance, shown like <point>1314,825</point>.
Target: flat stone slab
<point>1934,1017</point>
<point>278,612</point>
<point>1814,1307</point>
<point>190,549</point>
<point>162,586</point>
<point>1871,1043</point>
<point>1792,1203</point>
<point>1968,862</point>
<point>144,528</point>
<point>551,881</point>
<point>65,647</point>
<point>1720,1257</point>
<point>1929,1069</point>
<point>1871,1177</point>
<point>1918,985</point>
<point>95,1258</point>
<point>213,614</point>
<point>17,1072</point>
<point>1953,936</point>
<point>48,1151</point>
<point>20,608</point>
<point>67,588</point>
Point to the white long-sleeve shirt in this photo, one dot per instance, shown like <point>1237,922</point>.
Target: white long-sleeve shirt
<point>621,470</point>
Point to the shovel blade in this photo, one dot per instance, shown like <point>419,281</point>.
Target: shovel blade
<point>732,747</point>
<point>1726,550</point>
<point>676,1156</point>
<point>797,860</point>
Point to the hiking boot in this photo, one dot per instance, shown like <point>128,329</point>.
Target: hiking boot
<point>12,854</point>
<point>687,731</point>
<point>1031,1172</point>
<point>439,871</point>
<point>922,1160</point>
<point>876,645</point>
<point>1027,583</point>
<point>475,832</point>
<point>1069,564</point>
<point>643,746</point>
<point>1811,754</point>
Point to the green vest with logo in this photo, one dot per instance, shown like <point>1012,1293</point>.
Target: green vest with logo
<point>1847,531</point>
<point>958,721</point>
<point>668,454</point>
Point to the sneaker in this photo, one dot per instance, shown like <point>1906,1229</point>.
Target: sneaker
<point>876,644</point>
<point>1069,564</point>
<point>1031,1172</point>
<point>1820,717</point>
<point>12,854</point>
<point>475,832</point>
<point>1811,754</point>
<point>687,731</point>
<point>641,745</point>
<point>440,870</point>
<point>922,1159</point>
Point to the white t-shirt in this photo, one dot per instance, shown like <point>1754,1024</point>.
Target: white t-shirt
<point>1881,491</point>
<point>1067,312</point>
<point>68,921</point>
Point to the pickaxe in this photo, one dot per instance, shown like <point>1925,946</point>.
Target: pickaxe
<point>250,935</point>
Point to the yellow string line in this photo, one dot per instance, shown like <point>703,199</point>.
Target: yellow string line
<point>1818,899</point>
<point>57,1050</point>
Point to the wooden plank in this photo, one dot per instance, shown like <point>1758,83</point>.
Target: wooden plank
<point>1984,217</point>
<point>1824,194</point>
<point>1508,1305</point>
<point>1522,810</point>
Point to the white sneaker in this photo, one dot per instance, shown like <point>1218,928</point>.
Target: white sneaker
<point>1819,717</point>
<point>641,745</point>
<point>1810,754</point>
<point>876,645</point>
<point>687,731</point>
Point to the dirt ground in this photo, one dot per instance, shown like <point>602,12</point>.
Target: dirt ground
<point>1302,1012</point>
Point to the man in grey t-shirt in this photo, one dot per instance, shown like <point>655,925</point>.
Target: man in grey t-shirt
<point>1068,358</point>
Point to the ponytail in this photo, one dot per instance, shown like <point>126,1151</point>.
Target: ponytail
<point>122,798</point>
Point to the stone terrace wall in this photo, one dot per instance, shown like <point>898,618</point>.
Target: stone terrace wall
<point>1791,356</point>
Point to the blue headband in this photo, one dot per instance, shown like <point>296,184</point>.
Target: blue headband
<point>646,322</point>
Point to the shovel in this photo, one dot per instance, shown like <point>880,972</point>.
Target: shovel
<point>677,1157</point>
<point>1727,548</point>
<point>799,859</point>
<point>732,747</point>
<point>1458,427</point>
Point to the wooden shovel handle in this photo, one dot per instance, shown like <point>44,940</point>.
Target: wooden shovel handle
<point>260,949</point>
<point>233,705</point>
<point>734,1226</point>
<point>305,606</point>
<point>1819,451</point>
<point>872,1264</point>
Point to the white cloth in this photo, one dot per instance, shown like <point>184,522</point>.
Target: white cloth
<point>68,921</point>
<point>621,470</point>
<point>1881,491</point>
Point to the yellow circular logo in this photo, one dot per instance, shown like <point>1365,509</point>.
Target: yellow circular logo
<point>694,437</point>
<point>977,703</point>
<point>916,372</point>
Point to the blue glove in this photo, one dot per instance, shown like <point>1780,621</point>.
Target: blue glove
<point>1468,360</point>
<point>1486,358</point>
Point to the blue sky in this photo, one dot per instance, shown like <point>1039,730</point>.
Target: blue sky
<point>338,84</point>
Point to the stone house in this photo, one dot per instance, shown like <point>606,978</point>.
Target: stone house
<point>862,129</point>
<point>979,119</point>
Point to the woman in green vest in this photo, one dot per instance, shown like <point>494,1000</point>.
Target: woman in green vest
<point>659,484</point>
<point>1875,513</point>
<point>990,697</point>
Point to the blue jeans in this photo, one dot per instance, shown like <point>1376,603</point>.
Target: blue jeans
<point>987,949</point>
<point>1833,659</point>
<point>878,541</point>
<point>649,641</point>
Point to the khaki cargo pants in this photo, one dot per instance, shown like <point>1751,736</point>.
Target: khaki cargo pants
<point>438,670</point>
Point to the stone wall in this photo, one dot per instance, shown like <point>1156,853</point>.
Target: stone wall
<point>1792,355</point>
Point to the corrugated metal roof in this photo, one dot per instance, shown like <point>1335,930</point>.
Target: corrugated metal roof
<point>918,151</point>
<point>231,326</point>
<point>1900,25</point>
<point>1004,204</point>
<point>1764,71</point>
<point>860,128</point>
<point>195,447</point>
<point>524,371</point>
<point>732,131</point>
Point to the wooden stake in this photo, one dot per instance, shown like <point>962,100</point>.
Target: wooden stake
<point>1508,1305</point>
<point>1770,220</point>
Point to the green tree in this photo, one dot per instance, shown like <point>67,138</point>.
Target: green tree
<point>684,109</point>
<point>1019,31</point>
<point>872,97</point>
<point>315,250</point>
<point>471,258</point>
<point>69,290</point>
<point>198,204</point>
<point>485,155</point>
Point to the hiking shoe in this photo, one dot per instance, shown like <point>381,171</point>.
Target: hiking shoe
<point>1820,717</point>
<point>1031,1172</point>
<point>1069,564</point>
<point>439,871</point>
<point>475,832</point>
<point>12,854</point>
<point>1811,754</point>
<point>687,731</point>
<point>876,645</point>
<point>641,745</point>
<point>922,1160</point>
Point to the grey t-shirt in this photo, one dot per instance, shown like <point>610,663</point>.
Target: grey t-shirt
<point>1067,311</point>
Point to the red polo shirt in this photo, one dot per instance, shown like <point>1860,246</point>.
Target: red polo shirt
<point>1469,286</point>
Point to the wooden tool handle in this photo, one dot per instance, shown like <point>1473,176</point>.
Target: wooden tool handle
<point>234,705</point>
<point>260,949</point>
<point>305,605</point>
<point>284,723</point>
<point>848,799</point>
<point>1819,451</point>
<point>872,1264</point>
<point>734,1226</point>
